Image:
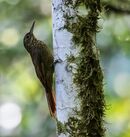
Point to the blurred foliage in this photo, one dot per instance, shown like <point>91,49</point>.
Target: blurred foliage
<point>19,84</point>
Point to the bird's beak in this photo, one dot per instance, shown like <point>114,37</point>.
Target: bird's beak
<point>31,30</point>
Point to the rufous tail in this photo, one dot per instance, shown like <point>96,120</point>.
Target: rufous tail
<point>51,103</point>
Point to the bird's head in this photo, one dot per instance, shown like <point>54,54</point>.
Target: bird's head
<point>29,37</point>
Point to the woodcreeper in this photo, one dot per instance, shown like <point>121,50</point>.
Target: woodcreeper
<point>42,59</point>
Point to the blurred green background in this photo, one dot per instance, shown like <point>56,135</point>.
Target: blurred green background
<point>23,107</point>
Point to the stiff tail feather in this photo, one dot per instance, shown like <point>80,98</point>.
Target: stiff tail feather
<point>51,103</point>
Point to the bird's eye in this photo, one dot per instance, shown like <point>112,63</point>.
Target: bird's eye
<point>28,36</point>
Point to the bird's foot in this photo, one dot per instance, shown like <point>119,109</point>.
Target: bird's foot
<point>57,61</point>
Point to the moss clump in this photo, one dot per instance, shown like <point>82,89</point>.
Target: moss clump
<point>88,121</point>
<point>61,128</point>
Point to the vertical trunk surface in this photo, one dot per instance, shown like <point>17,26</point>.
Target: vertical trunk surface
<point>79,78</point>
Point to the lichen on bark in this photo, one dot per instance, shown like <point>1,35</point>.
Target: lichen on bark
<point>88,78</point>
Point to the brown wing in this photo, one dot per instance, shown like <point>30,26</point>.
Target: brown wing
<point>45,76</point>
<point>46,80</point>
<point>40,73</point>
<point>49,81</point>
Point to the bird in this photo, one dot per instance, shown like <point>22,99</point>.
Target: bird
<point>42,59</point>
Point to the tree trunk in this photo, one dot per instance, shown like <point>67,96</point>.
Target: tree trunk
<point>79,79</point>
<point>65,92</point>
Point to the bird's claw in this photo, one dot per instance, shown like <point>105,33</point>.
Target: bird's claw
<point>57,61</point>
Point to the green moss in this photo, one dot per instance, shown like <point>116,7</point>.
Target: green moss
<point>88,121</point>
<point>61,128</point>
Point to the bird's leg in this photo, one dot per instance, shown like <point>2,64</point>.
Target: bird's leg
<point>57,61</point>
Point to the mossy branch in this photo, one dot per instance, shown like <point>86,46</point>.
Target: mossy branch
<point>88,121</point>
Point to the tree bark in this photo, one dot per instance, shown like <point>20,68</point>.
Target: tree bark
<point>79,78</point>
<point>63,47</point>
